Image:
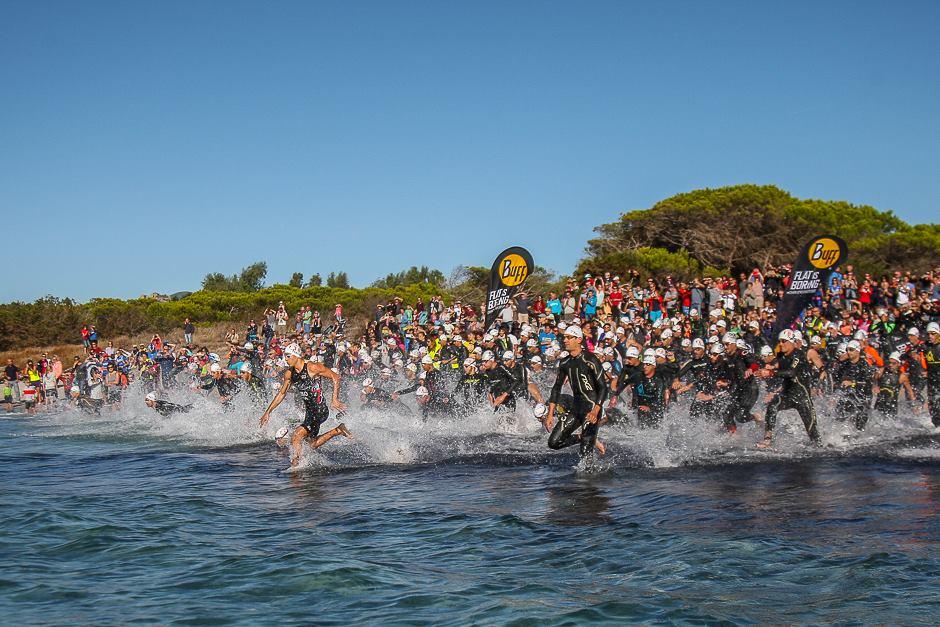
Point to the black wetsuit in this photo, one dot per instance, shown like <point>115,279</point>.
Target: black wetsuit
<point>854,400</point>
<point>166,408</point>
<point>502,381</point>
<point>585,375</point>
<point>743,392</point>
<point>470,391</point>
<point>650,392</point>
<point>309,394</point>
<point>932,357</point>
<point>382,399</point>
<point>889,390</point>
<point>437,393</point>
<point>256,390</point>
<point>700,371</point>
<point>795,381</point>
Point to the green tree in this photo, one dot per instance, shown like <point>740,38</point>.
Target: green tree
<point>297,280</point>
<point>411,276</point>
<point>337,279</point>
<point>315,280</point>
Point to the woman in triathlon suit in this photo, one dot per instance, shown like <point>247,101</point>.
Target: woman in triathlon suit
<point>305,376</point>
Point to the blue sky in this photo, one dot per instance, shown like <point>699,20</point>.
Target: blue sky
<point>143,145</point>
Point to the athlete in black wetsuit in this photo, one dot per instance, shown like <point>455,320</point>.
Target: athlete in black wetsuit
<point>795,378</point>
<point>304,377</point>
<point>853,380</point>
<point>471,388</point>
<point>743,389</point>
<point>650,393</point>
<point>585,375</point>
<point>932,357</point>
<point>165,408</point>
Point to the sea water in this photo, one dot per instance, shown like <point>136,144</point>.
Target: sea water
<point>130,517</point>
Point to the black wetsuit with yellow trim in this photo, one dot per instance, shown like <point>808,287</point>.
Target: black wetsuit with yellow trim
<point>854,385</point>
<point>585,375</point>
<point>932,357</point>
<point>309,393</point>
<point>795,376</point>
<point>889,388</point>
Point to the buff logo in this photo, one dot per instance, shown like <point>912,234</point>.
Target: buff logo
<point>513,270</point>
<point>824,253</point>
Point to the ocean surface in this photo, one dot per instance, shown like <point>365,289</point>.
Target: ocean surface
<point>132,518</point>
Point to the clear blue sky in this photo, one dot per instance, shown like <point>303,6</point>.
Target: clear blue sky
<point>144,144</point>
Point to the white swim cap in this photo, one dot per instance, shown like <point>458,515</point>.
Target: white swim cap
<point>540,410</point>
<point>469,361</point>
<point>574,331</point>
<point>698,343</point>
<point>686,342</point>
<point>633,352</point>
<point>367,383</point>
<point>249,346</point>
<point>666,334</point>
<point>728,338</point>
<point>786,336</point>
<point>426,360</point>
<point>215,367</point>
<point>412,367</point>
<point>421,391</point>
<point>606,365</point>
<point>246,368</point>
<point>895,356</point>
<point>536,359</point>
<point>76,390</point>
<point>649,360</point>
<point>853,346</point>
<point>661,352</point>
<point>150,396</point>
<point>933,327</point>
<point>717,348</point>
<point>292,350</point>
<point>766,351</point>
<point>488,356</point>
<point>281,433</point>
<point>508,356</point>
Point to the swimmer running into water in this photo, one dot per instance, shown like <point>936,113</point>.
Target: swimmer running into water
<point>305,377</point>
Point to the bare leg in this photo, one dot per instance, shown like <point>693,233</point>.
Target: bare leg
<point>297,440</point>
<point>340,429</point>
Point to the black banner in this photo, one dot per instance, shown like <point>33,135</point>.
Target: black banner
<point>510,270</point>
<point>810,273</point>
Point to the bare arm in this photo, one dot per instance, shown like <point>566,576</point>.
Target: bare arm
<point>277,397</point>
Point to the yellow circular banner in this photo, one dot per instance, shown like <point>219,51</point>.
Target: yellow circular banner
<point>824,253</point>
<point>513,270</point>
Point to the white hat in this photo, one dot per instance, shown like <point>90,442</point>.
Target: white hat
<point>457,338</point>
<point>633,352</point>
<point>562,326</point>
<point>421,391</point>
<point>574,331</point>
<point>249,346</point>
<point>423,350</point>
<point>860,335</point>
<point>933,327</point>
<point>281,433</point>
<point>786,335</point>
<point>693,312</point>
<point>661,352</point>
<point>213,357</point>
<point>469,361</point>
<point>426,360</point>
<point>766,351</point>
<point>620,331</point>
<point>76,390</point>
<point>686,342</point>
<point>853,345</point>
<point>367,383</point>
<point>411,367</point>
<point>649,360</point>
<point>151,396</point>
<point>526,329</point>
<point>477,350</point>
<point>414,354</point>
<point>666,334</point>
<point>386,371</point>
<point>743,346</point>
<point>728,338</point>
<point>797,335</point>
<point>215,367</point>
<point>540,410</point>
<point>508,356</point>
<point>717,348</point>
<point>608,350</point>
<point>488,356</point>
<point>753,324</point>
<point>698,343</point>
<point>487,337</point>
<point>716,313</point>
<point>914,331</point>
<point>292,350</point>
<point>815,340</point>
<point>536,359</point>
<point>607,365</point>
<point>246,368</point>
<point>657,323</point>
<point>895,356</point>
<point>713,339</point>
<point>531,344</point>
<point>721,323</point>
